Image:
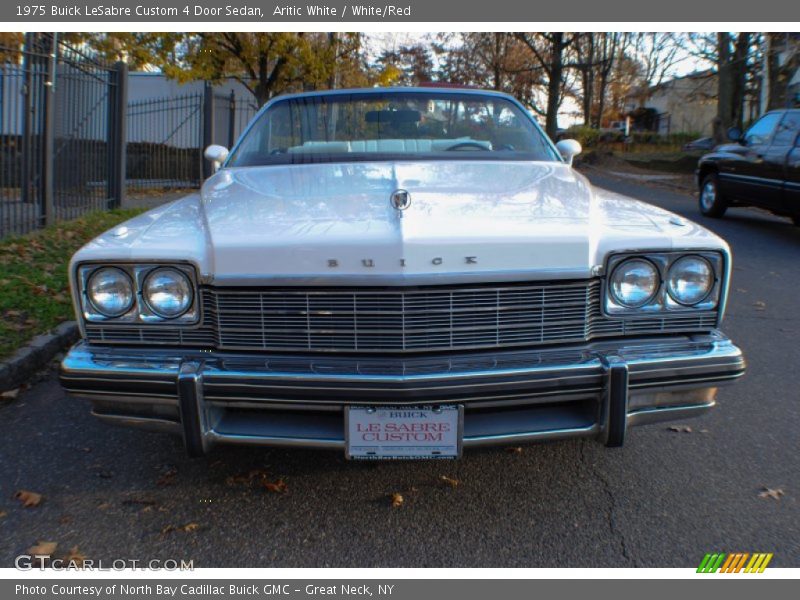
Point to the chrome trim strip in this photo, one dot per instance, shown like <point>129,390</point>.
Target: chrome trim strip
<point>326,279</point>
<point>147,423</point>
<point>534,436</point>
<point>644,416</point>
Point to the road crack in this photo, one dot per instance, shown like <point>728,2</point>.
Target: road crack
<point>611,511</point>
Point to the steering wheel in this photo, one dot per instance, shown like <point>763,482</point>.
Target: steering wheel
<point>463,145</point>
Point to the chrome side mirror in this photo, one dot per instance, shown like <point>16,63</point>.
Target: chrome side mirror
<point>569,149</point>
<point>216,154</point>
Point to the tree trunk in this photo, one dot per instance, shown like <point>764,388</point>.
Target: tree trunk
<point>555,73</point>
<point>732,78</point>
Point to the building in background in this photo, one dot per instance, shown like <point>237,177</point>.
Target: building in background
<point>685,104</point>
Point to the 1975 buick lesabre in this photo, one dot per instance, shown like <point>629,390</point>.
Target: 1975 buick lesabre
<point>399,273</point>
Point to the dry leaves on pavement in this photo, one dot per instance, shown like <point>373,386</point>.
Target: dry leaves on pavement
<point>514,450</point>
<point>28,499</point>
<point>43,549</point>
<point>449,481</point>
<point>681,429</point>
<point>775,494</point>
<point>278,487</point>
<point>10,394</point>
<point>167,477</point>
<point>397,500</point>
<point>188,528</point>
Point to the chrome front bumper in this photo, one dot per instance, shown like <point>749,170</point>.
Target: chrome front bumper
<point>509,397</point>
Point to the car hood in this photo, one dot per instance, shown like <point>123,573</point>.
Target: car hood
<point>467,221</point>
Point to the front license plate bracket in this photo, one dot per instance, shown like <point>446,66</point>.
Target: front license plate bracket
<point>404,432</point>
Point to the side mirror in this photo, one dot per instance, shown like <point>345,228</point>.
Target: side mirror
<point>216,154</point>
<point>735,134</point>
<point>569,149</point>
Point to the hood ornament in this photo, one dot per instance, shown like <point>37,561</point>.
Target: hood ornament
<point>400,200</point>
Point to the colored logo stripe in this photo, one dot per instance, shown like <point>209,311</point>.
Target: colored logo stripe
<point>735,562</point>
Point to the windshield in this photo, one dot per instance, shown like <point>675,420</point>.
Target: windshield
<point>390,126</point>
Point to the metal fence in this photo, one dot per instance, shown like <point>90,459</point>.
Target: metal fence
<point>166,137</point>
<point>60,133</point>
<point>70,143</point>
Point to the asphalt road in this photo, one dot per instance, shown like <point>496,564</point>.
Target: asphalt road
<point>665,499</point>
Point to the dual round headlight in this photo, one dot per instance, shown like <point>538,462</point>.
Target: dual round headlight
<point>636,281</point>
<point>110,291</point>
<point>690,280</point>
<point>167,292</point>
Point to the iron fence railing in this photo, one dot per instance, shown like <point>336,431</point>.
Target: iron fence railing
<point>60,115</point>
<point>165,143</point>
<point>71,143</point>
<point>166,136</point>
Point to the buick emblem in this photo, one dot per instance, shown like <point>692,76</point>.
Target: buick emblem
<point>401,199</point>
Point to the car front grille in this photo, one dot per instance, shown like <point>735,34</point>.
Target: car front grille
<point>432,318</point>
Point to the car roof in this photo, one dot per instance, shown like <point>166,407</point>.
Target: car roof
<point>439,91</point>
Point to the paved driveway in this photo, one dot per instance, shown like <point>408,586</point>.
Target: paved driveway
<point>664,499</point>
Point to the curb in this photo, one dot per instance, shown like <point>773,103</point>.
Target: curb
<point>33,357</point>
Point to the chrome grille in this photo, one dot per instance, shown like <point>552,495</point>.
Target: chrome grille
<point>400,319</point>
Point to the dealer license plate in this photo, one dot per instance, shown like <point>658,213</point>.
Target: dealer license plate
<point>404,432</point>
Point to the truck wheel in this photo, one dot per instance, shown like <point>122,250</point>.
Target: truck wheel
<point>712,203</point>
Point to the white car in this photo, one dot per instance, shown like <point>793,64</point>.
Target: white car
<point>399,273</point>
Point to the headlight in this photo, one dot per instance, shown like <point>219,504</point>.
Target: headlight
<point>167,292</point>
<point>110,292</point>
<point>634,283</point>
<point>690,280</point>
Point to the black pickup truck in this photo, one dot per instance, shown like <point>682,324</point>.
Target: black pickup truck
<point>760,168</point>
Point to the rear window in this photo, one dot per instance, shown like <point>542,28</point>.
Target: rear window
<point>392,125</point>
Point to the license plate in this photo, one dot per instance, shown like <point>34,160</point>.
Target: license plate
<point>404,432</point>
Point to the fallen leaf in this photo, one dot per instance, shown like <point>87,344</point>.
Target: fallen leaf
<point>770,493</point>
<point>279,487</point>
<point>247,479</point>
<point>450,481</point>
<point>397,500</point>
<point>10,394</point>
<point>28,499</point>
<point>104,506</point>
<point>3,514</point>
<point>760,305</point>
<point>75,557</point>
<point>681,429</point>
<point>189,527</point>
<point>43,549</point>
<point>168,477</point>
<point>514,450</point>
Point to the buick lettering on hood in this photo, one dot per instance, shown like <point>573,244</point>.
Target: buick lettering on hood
<point>399,273</point>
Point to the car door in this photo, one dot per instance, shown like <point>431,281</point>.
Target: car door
<point>752,174</point>
<point>787,138</point>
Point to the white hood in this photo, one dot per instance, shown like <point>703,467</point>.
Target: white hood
<point>334,223</point>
